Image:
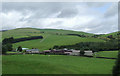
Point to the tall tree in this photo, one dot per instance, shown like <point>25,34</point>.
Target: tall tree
<point>116,68</point>
<point>19,49</point>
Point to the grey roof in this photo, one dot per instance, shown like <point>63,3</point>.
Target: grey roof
<point>33,50</point>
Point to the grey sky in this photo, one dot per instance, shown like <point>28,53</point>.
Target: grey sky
<point>92,17</point>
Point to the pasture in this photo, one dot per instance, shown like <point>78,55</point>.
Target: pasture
<point>25,32</point>
<point>111,54</point>
<point>55,64</point>
<point>50,40</point>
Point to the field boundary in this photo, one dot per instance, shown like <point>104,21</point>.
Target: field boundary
<point>66,55</point>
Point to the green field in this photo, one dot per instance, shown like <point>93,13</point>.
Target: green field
<point>111,54</point>
<point>51,37</point>
<point>25,32</point>
<point>50,40</point>
<point>55,64</point>
<point>114,34</point>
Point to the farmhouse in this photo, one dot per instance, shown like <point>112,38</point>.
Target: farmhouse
<point>88,53</point>
<point>72,52</point>
<point>67,52</point>
<point>32,51</point>
<point>54,51</point>
<point>75,52</point>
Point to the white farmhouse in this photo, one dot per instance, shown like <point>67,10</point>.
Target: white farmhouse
<point>88,53</point>
<point>75,52</point>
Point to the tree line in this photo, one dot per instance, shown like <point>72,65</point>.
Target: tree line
<point>12,40</point>
<point>94,46</point>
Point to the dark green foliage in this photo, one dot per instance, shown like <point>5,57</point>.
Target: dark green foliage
<point>9,47</point>
<point>95,36</point>
<point>7,40</point>
<point>12,40</point>
<point>116,68</point>
<point>56,47</point>
<point>94,46</point>
<point>78,35</point>
<point>4,49</point>
<point>19,49</point>
<point>26,38</point>
<point>82,52</point>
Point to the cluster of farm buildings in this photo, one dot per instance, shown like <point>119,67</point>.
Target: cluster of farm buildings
<point>58,52</point>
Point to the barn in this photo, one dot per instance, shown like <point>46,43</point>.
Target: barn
<point>31,51</point>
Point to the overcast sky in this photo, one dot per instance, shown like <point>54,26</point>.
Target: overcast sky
<point>91,17</point>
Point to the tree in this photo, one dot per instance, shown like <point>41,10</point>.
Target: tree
<point>19,49</point>
<point>7,40</point>
<point>116,68</point>
<point>82,52</point>
<point>4,49</point>
<point>55,47</point>
<point>9,47</point>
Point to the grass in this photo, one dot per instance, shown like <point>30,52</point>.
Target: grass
<point>55,64</point>
<point>111,54</point>
<point>25,32</point>
<point>114,34</point>
<point>19,33</point>
<point>50,40</point>
<point>8,52</point>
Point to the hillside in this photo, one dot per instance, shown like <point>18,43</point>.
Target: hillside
<point>24,32</point>
<point>51,37</point>
<point>114,34</point>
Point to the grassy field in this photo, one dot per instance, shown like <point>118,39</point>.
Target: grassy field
<point>25,32</point>
<point>111,54</point>
<point>50,40</point>
<point>51,37</point>
<point>19,33</point>
<point>114,34</point>
<point>55,64</point>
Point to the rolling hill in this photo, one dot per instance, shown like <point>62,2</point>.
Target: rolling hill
<point>114,34</point>
<point>51,37</point>
<point>54,64</point>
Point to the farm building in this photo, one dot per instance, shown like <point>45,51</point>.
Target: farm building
<point>89,53</point>
<point>72,52</point>
<point>32,51</point>
<point>67,52</point>
<point>54,51</point>
<point>25,48</point>
<point>75,52</point>
<point>22,49</point>
<point>46,52</point>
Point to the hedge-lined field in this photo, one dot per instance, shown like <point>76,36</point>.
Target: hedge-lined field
<point>55,64</point>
